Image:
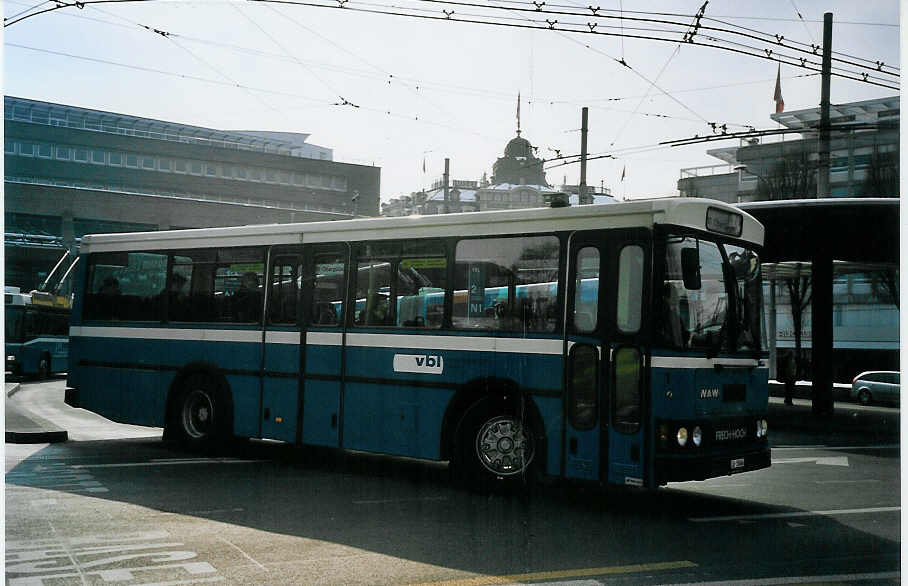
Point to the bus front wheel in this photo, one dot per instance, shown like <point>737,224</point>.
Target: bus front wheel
<point>495,448</point>
<point>201,414</point>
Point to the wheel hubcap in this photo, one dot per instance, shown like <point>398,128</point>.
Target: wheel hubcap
<point>198,414</point>
<point>504,446</point>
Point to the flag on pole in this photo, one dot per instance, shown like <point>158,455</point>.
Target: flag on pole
<point>777,96</point>
<point>623,170</point>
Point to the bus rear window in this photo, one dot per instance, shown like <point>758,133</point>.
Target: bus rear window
<point>125,286</point>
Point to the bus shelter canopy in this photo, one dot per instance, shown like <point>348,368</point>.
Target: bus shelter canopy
<point>849,229</point>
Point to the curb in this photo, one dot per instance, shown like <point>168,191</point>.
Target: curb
<point>37,437</point>
<point>46,433</point>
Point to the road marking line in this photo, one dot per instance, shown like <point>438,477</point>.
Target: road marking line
<point>168,463</point>
<point>556,575</point>
<point>246,555</point>
<point>391,501</point>
<point>832,513</point>
<point>877,447</point>
<point>831,461</point>
<point>798,580</point>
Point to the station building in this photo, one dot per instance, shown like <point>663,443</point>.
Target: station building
<point>863,158</point>
<point>518,181</point>
<point>71,171</point>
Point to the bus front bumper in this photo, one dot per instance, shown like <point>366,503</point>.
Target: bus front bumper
<point>676,468</point>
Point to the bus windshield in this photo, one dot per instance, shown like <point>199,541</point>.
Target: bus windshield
<point>708,313</point>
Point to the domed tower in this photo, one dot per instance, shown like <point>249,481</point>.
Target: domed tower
<point>519,165</point>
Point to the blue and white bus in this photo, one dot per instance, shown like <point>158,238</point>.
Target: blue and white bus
<point>36,334</point>
<point>619,344</point>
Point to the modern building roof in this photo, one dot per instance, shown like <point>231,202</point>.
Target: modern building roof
<point>866,112</point>
<point>38,112</point>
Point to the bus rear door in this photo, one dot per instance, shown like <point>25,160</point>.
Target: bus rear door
<point>281,374</point>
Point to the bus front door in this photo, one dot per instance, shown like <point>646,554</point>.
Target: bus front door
<point>604,361</point>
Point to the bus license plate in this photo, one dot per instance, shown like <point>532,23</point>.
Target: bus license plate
<point>736,464</point>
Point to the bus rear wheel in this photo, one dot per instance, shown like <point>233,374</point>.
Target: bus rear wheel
<point>200,415</point>
<point>496,448</point>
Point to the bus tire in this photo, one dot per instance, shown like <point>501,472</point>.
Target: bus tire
<point>201,415</point>
<point>495,448</point>
<point>43,367</point>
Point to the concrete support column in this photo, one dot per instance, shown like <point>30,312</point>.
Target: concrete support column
<point>69,230</point>
<point>773,331</point>
<point>821,332</point>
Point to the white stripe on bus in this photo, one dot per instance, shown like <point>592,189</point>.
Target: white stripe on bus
<point>468,343</point>
<point>699,362</point>
<point>181,334</point>
<point>543,346</point>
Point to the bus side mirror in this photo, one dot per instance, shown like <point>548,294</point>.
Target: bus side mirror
<point>690,268</point>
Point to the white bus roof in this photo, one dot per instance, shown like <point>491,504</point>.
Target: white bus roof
<point>684,212</point>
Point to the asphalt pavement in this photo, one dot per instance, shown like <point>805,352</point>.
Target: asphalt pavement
<point>849,423</point>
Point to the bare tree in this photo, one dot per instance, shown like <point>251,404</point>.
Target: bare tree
<point>884,284</point>
<point>799,293</point>
<point>882,178</point>
<point>791,177</point>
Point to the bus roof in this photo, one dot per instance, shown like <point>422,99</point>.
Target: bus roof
<point>676,211</point>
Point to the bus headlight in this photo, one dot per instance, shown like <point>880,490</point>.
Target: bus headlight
<point>697,436</point>
<point>762,428</point>
<point>682,436</point>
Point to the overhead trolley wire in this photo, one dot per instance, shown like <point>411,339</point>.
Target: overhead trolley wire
<point>535,6</point>
<point>551,25</point>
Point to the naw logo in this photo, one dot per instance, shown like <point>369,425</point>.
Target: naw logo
<point>709,393</point>
<point>420,363</point>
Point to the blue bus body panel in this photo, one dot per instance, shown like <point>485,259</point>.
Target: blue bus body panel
<point>280,391</point>
<point>402,412</point>
<point>321,405</point>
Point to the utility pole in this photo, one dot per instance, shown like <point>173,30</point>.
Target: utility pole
<point>446,179</point>
<point>823,164</point>
<point>582,200</point>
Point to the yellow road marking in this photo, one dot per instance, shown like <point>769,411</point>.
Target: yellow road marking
<point>556,575</point>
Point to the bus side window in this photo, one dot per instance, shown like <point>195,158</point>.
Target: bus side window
<point>630,288</point>
<point>421,280</point>
<point>373,293</point>
<point>328,289</point>
<point>586,290</point>
<point>283,301</point>
<point>626,390</point>
<point>507,284</point>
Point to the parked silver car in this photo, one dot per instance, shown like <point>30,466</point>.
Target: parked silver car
<point>875,386</point>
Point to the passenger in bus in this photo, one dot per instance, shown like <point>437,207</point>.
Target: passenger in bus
<point>177,299</point>
<point>109,298</point>
<point>110,287</point>
<point>247,301</point>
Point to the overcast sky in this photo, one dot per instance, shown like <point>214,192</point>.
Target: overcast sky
<point>428,89</point>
